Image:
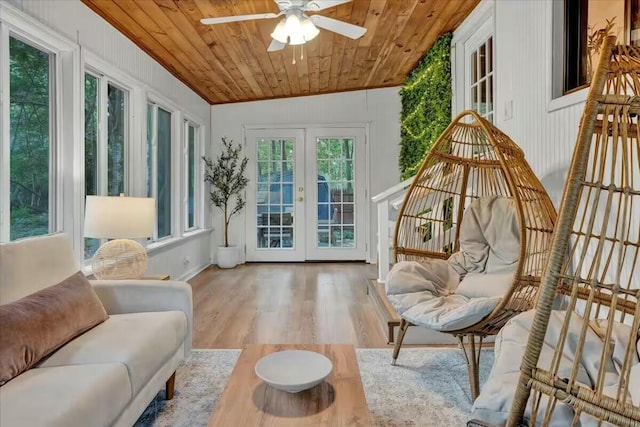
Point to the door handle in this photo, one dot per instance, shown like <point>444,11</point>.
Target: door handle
<point>300,199</point>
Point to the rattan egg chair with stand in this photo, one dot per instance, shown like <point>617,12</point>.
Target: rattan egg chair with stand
<point>471,160</point>
<point>595,262</point>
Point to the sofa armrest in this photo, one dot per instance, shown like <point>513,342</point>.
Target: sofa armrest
<point>135,296</point>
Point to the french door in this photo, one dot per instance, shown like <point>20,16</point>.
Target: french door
<point>306,195</point>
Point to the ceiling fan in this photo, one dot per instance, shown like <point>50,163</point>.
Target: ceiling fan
<point>296,27</point>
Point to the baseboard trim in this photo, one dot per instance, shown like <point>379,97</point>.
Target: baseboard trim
<point>193,272</point>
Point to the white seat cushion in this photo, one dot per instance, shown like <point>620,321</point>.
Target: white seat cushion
<point>494,402</point>
<point>66,396</point>
<point>475,285</point>
<point>421,292</point>
<point>141,341</point>
<point>451,312</point>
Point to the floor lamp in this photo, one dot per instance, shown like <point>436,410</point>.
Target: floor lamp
<point>120,218</point>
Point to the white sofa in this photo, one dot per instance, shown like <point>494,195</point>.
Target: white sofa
<point>108,375</point>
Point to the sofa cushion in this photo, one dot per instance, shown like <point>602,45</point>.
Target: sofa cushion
<point>38,324</point>
<point>141,341</point>
<point>66,396</point>
<point>34,263</point>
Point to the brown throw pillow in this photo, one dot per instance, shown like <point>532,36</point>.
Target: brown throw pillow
<point>35,326</point>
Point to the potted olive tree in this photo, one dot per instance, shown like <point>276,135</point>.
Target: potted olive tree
<point>226,175</point>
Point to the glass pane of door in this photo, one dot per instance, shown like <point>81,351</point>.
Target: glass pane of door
<point>335,197</point>
<point>275,172</point>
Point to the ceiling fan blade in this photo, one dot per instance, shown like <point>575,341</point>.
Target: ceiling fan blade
<point>275,46</point>
<point>340,27</point>
<point>224,19</point>
<point>316,5</point>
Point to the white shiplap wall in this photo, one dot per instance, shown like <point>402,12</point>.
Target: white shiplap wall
<point>379,109</point>
<point>77,22</point>
<point>546,129</point>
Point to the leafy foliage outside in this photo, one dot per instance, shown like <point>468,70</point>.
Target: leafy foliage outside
<point>29,139</point>
<point>226,175</point>
<point>426,105</point>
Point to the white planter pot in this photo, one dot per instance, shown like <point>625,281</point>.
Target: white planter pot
<point>227,256</point>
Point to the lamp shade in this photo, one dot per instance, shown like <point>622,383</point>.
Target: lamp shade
<point>119,217</point>
<point>309,31</point>
<point>280,32</point>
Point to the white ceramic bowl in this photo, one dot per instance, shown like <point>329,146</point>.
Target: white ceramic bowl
<point>293,370</point>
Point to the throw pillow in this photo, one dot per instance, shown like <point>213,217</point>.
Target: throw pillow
<point>35,326</point>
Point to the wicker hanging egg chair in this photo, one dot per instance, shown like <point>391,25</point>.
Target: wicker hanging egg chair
<point>595,261</point>
<point>472,160</point>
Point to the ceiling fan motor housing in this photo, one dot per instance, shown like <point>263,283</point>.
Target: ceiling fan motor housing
<point>298,4</point>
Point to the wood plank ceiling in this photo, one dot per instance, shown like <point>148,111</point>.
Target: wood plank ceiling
<point>229,62</point>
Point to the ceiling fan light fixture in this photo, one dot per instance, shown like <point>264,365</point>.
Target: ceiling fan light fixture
<point>309,31</point>
<point>292,24</point>
<point>296,39</point>
<point>280,33</point>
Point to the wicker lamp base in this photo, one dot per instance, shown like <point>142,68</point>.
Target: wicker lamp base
<point>120,259</point>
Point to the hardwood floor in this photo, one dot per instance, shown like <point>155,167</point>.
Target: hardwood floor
<point>311,303</point>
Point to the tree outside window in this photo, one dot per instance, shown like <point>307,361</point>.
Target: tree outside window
<point>30,120</point>
<point>104,159</point>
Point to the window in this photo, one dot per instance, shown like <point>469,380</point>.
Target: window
<point>105,153</point>
<point>90,149</point>
<point>481,63</point>
<point>577,24</point>
<point>31,140</point>
<point>192,179</point>
<point>159,166</point>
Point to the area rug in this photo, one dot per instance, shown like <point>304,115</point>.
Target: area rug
<point>429,387</point>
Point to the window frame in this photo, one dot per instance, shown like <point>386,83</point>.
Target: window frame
<point>159,101</point>
<point>67,143</point>
<point>558,97</point>
<point>64,57</point>
<point>104,80</point>
<point>479,25</point>
<point>107,74</point>
<point>197,182</point>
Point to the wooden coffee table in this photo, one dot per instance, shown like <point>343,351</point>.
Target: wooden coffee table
<point>337,401</point>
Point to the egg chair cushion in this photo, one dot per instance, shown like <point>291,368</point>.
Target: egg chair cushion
<point>450,313</point>
<point>489,237</point>
<point>424,293</point>
<point>475,285</point>
<point>429,292</point>
<point>494,402</point>
<point>634,381</point>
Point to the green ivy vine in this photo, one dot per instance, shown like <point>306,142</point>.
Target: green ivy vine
<point>426,105</point>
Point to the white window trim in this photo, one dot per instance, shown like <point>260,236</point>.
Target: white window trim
<point>104,81</point>
<point>479,38</point>
<point>64,93</point>
<point>482,15</point>
<point>568,99</point>
<point>108,74</point>
<point>32,29</point>
<point>134,154</point>
<point>197,191</point>
<point>160,101</point>
<point>74,59</point>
